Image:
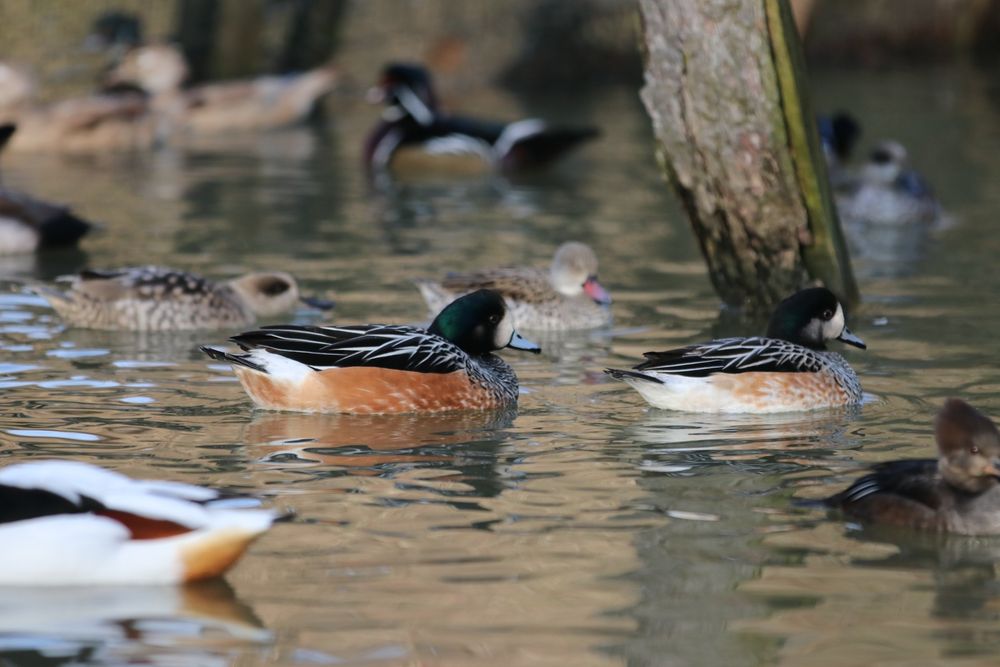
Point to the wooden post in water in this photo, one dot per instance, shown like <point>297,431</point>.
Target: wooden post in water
<point>725,89</point>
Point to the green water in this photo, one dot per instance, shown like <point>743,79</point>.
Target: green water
<point>582,529</point>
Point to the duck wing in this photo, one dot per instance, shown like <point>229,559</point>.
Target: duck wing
<point>394,347</point>
<point>913,480</point>
<point>734,355</point>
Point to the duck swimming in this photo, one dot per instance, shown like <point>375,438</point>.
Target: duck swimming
<point>384,368</point>
<point>566,296</point>
<point>412,123</point>
<point>789,369</point>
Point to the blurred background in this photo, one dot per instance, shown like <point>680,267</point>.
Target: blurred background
<point>520,44</point>
<point>584,529</point>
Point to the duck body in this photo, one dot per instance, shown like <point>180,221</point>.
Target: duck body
<point>156,298</point>
<point>759,375</point>
<point>69,523</point>
<point>567,296</point>
<point>957,493</point>
<point>93,123</point>
<point>254,104</point>
<point>788,370</point>
<point>413,123</point>
<point>377,369</point>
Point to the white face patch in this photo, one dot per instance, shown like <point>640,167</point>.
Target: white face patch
<point>833,327</point>
<point>504,332</point>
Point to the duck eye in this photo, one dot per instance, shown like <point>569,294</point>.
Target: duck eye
<point>494,319</point>
<point>973,450</point>
<point>827,314</point>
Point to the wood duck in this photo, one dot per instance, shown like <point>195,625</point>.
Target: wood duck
<point>413,120</point>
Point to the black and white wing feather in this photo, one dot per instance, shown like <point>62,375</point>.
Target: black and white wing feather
<point>392,347</point>
<point>734,355</point>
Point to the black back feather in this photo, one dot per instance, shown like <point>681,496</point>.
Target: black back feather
<point>381,346</point>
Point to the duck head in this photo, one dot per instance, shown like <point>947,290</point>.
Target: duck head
<point>838,133</point>
<point>480,323</point>
<point>810,318</point>
<point>885,163</point>
<point>969,447</point>
<point>406,89</point>
<point>269,294</point>
<point>574,272</point>
<point>157,69</point>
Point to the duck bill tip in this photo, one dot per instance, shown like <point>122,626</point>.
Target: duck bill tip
<point>317,302</point>
<point>375,95</point>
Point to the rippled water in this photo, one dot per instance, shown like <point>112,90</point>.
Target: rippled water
<point>582,529</point>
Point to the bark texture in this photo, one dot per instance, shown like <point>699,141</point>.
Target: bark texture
<point>713,93</point>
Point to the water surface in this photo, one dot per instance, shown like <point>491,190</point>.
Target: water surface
<point>582,528</point>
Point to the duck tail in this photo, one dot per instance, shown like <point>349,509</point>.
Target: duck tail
<point>235,359</point>
<point>308,88</point>
<point>622,374</point>
<point>533,143</point>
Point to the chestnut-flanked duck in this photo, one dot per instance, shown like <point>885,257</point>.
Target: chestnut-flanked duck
<point>959,492</point>
<point>789,369</point>
<point>565,296</point>
<point>384,368</point>
<point>413,122</point>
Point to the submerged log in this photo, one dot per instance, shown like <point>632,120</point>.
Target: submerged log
<point>737,140</point>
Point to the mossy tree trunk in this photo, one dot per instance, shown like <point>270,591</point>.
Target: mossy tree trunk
<point>737,140</point>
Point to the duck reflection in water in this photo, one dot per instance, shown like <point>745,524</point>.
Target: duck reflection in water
<point>111,625</point>
<point>467,443</point>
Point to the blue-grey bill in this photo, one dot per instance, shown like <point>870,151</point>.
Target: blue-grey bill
<point>847,337</point>
<point>317,303</point>
<point>519,343</point>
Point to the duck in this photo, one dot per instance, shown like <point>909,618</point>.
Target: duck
<point>838,135</point>
<point>959,492</point>
<point>159,298</point>
<point>28,224</point>
<point>255,104</point>
<point>412,122</point>
<point>888,192</point>
<point>97,122</point>
<point>565,296</point>
<point>789,369</point>
<point>384,368</point>
<point>69,523</point>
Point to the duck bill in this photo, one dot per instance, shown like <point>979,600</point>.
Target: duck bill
<point>596,291</point>
<point>993,469</point>
<point>317,303</point>
<point>847,337</point>
<point>519,343</point>
<point>376,94</point>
